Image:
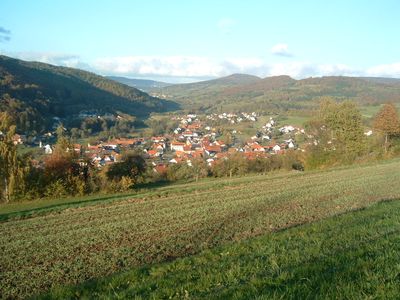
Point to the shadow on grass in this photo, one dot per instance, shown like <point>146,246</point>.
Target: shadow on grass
<point>138,190</point>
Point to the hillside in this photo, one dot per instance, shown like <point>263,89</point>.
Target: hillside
<point>71,242</point>
<point>204,93</point>
<point>35,93</point>
<point>280,93</point>
<point>141,84</point>
<point>351,256</point>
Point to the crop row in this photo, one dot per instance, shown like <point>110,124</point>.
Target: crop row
<point>82,243</point>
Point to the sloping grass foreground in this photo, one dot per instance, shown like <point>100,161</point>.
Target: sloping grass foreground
<point>351,256</point>
<point>32,208</point>
<point>77,244</point>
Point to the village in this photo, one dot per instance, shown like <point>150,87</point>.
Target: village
<point>196,137</point>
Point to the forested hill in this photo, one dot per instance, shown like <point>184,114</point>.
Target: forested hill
<point>245,92</point>
<point>34,93</point>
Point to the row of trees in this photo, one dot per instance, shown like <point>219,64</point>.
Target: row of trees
<point>235,165</point>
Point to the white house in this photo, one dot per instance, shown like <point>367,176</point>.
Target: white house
<point>48,149</point>
<point>287,129</point>
<point>276,148</point>
<point>176,146</point>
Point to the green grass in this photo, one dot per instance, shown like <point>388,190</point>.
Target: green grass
<point>94,239</point>
<point>369,111</point>
<point>25,209</point>
<point>351,256</point>
<point>293,120</point>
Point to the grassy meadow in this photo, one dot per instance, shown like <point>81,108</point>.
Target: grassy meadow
<point>70,242</point>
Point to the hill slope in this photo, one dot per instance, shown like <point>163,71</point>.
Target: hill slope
<point>351,256</point>
<point>37,92</point>
<point>142,84</point>
<point>98,237</point>
<point>204,93</point>
<point>281,93</point>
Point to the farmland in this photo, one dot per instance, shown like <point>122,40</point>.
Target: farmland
<point>91,239</point>
<point>352,256</point>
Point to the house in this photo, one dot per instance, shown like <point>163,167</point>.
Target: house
<point>175,160</point>
<point>123,142</point>
<point>110,146</point>
<point>160,169</point>
<point>48,149</point>
<point>188,133</point>
<point>159,147</point>
<point>177,146</point>
<point>195,126</point>
<point>198,153</point>
<point>276,148</point>
<point>257,147</point>
<point>287,129</point>
<point>154,153</point>
<point>268,148</point>
<point>212,149</point>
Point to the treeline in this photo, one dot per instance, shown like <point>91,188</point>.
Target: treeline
<point>281,93</point>
<point>236,164</point>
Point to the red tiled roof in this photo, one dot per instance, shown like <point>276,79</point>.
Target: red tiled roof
<point>152,152</point>
<point>213,148</point>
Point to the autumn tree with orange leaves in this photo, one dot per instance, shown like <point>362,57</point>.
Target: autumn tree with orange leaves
<point>387,122</point>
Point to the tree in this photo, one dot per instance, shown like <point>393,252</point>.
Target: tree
<point>199,168</point>
<point>132,166</point>
<point>338,133</point>
<point>63,145</point>
<point>387,122</point>
<point>8,158</point>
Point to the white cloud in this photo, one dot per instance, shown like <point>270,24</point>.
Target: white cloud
<point>174,66</point>
<point>60,59</point>
<point>225,25</point>
<point>389,70</point>
<point>281,50</point>
<point>194,68</point>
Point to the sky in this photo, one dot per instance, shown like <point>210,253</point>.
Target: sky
<point>188,40</point>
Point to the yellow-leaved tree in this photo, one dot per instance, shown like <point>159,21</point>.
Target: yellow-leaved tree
<point>387,122</point>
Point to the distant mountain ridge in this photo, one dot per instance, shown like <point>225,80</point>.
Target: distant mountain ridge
<point>35,93</point>
<point>142,84</point>
<point>277,93</point>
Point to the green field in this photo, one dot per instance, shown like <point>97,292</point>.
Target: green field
<point>78,241</point>
<point>352,256</point>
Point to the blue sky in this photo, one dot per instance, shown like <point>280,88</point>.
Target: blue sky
<point>176,40</point>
